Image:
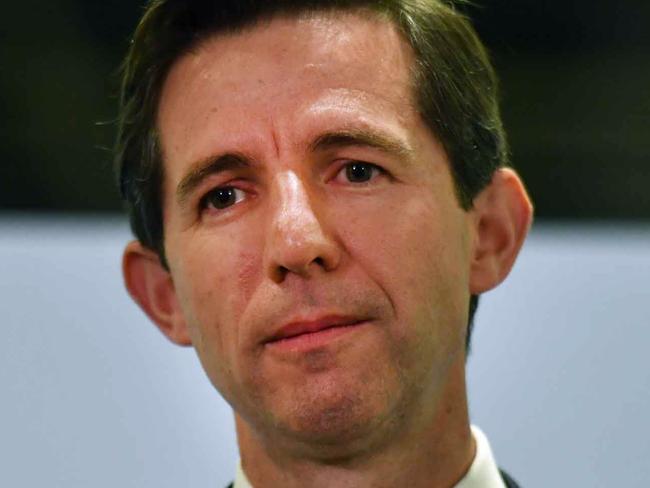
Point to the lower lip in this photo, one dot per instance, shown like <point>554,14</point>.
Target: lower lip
<point>313,340</point>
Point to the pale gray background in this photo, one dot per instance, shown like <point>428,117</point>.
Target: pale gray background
<point>94,396</point>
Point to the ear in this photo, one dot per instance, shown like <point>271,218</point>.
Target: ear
<point>151,286</point>
<point>502,217</point>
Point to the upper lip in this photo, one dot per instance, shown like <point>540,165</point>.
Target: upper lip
<point>305,326</point>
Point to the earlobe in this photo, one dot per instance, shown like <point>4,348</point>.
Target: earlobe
<point>152,288</point>
<point>502,217</point>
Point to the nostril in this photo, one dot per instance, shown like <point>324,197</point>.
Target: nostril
<point>279,274</point>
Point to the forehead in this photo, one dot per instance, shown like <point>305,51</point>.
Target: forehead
<point>279,70</point>
<point>308,45</point>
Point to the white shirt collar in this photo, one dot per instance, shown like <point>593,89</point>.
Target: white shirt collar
<point>483,473</point>
<point>241,481</point>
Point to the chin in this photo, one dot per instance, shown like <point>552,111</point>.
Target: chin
<point>337,419</point>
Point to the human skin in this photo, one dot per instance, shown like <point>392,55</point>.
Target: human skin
<point>389,260</point>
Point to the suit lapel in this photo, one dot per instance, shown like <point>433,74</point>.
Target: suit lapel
<point>510,483</point>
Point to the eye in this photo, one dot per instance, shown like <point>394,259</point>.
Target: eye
<point>222,197</point>
<point>358,172</point>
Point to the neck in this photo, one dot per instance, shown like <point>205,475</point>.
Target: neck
<point>431,449</point>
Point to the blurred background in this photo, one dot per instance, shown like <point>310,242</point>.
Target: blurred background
<point>559,378</point>
<point>575,82</point>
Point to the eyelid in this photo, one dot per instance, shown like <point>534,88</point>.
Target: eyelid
<point>345,163</point>
<point>204,205</point>
<point>219,179</point>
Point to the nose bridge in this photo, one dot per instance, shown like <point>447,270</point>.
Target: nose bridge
<point>298,240</point>
<point>295,218</point>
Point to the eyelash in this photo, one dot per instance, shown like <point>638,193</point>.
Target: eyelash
<point>347,168</point>
<point>205,203</point>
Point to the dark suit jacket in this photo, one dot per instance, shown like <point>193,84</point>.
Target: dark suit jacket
<point>510,483</point>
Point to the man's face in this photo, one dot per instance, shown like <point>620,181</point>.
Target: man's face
<point>317,249</point>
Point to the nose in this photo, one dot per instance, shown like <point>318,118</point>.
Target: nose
<point>298,242</point>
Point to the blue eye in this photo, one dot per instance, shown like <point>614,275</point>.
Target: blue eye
<point>223,197</point>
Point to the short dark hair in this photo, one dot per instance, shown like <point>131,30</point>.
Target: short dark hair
<point>454,85</point>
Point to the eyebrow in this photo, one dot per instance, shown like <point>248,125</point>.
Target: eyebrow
<point>329,140</point>
<point>204,168</point>
<point>363,138</point>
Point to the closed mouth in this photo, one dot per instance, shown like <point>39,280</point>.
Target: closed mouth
<point>298,329</point>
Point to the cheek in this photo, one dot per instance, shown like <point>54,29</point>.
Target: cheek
<point>215,279</point>
<point>248,266</point>
<point>214,261</point>
<point>416,253</point>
